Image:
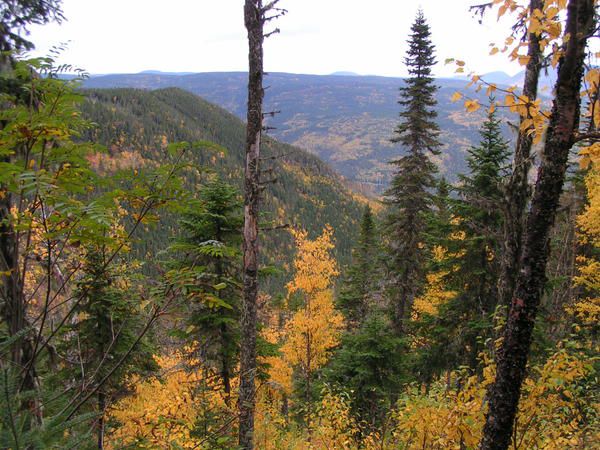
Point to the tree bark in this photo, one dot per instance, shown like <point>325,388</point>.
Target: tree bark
<point>517,189</point>
<point>254,21</point>
<point>560,137</point>
<point>14,309</point>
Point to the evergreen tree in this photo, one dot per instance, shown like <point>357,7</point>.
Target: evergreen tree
<point>367,364</point>
<point>439,219</point>
<point>15,17</point>
<point>475,245</point>
<point>107,325</point>
<point>360,281</point>
<point>212,257</point>
<point>481,222</point>
<point>409,197</point>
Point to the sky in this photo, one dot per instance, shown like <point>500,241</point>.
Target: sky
<point>317,36</point>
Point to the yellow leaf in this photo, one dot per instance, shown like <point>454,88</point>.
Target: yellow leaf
<point>456,97</point>
<point>509,101</point>
<point>523,59</point>
<point>472,105</point>
<point>502,10</point>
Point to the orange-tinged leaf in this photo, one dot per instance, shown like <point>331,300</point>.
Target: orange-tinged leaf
<point>472,105</point>
<point>456,97</point>
<point>523,59</point>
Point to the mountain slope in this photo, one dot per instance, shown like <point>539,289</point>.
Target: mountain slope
<point>346,120</point>
<point>137,124</point>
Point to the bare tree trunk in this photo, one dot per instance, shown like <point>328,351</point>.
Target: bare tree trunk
<point>560,137</point>
<point>517,189</point>
<point>254,21</point>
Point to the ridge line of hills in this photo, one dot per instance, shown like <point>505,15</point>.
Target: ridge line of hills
<point>347,121</point>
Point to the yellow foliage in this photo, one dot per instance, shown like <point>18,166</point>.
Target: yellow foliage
<point>335,427</point>
<point>163,411</point>
<point>435,293</point>
<point>314,329</point>
<point>307,337</point>
<point>447,417</point>
<point>589,220</point>
<point>587,309</point>
<point>314,267</point>
<point>312,332</point>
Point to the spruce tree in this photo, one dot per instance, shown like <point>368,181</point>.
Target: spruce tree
<point>466,320</point>
<point>481,221</point>
<point>360,281</point>
<point>409,197</point>
<point>211,244</point>
<point>367,364</point>
<point>107,325</point>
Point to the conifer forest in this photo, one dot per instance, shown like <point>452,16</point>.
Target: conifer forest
<point>179,273</point>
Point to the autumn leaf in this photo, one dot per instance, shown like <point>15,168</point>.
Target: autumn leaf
<point>472,105</point>
<point>456,96</point>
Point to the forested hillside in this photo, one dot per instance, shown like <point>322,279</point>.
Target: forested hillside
<point>345,120</point>
<point>136,125</point>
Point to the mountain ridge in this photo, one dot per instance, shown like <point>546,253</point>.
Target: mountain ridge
<point>347,121</point>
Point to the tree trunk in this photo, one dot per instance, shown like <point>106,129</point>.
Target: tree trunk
<point>564,122</point>
<point>14,311</point>
<point>517,190</point>
<point>254,21</point>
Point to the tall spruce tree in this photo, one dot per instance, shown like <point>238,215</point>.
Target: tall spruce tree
<point>360,281</point>
<point>409,197</point>
<point>211,243</point>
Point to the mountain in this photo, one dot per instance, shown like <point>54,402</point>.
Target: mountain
<point>343,73</point>
<point>546,83</point>
<point>345,120</point>
<point>160,72</point>
<point>136,126</point>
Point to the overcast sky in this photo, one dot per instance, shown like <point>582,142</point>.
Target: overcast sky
<point>317,36</point>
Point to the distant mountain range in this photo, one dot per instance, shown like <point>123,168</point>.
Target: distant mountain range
<point>345,119</point>
<point>546,83</point>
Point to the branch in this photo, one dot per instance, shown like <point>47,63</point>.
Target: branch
<point>271,113</point>
<point>270,33</point>
<point>592,136</point>
<point>277,227</point>
<point>270,158</point>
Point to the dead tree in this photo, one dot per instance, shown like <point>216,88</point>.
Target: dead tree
<point>560,137</point>
<point>255,17</point>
